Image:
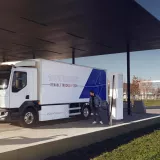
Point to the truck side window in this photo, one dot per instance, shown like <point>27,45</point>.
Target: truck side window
<point>19,81</point>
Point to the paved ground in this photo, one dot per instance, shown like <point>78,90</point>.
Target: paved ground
<point>13,127</point>
<point>95,150</point>
<point>8,127</point>
<point>153,110</point>
<point>13,137</point>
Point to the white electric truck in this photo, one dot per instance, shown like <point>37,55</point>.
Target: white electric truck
<point>40,90</point>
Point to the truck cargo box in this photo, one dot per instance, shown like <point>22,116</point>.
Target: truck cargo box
<point>62,83</point>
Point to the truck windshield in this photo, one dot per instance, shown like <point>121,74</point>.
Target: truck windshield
<point>4,77</point>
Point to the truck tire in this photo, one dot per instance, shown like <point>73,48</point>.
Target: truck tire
<point>29,118</point>
<point>86,112</point>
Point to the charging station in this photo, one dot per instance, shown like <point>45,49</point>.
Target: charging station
<point>116,95</point>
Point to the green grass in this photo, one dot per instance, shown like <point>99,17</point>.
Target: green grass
<point>151,103</point>
<point>143,148</point>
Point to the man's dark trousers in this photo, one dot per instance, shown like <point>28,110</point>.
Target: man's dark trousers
<point>96,114</point>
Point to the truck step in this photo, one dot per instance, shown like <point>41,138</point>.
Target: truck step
<point>74,114</point>
<point>76,108</point>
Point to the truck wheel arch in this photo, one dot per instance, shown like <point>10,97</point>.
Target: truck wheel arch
<point>27,105</point>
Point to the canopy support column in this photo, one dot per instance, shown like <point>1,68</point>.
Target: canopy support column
<point>4,57</point>
<point>128,79</point>
<point>73,55</point>
<point>33,54</point>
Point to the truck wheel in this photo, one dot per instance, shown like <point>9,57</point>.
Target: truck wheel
<point>86,112</point>
<point>28,118</point>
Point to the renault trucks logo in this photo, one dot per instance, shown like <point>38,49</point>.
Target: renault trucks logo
<point>62,85</point>
<point>63,81</point>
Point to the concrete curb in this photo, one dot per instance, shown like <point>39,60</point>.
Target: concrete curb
<point>53,148</point>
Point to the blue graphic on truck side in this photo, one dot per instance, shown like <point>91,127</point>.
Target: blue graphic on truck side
<point>97,83</point>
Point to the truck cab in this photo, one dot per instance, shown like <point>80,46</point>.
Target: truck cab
<point>5,73</point>
<point>18,91</point>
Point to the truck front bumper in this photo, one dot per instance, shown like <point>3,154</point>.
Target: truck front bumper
<point>9,115</point>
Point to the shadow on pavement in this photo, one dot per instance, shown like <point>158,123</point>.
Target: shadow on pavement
<point>77,123</point>
<point>97,149</point>
<point>25,140</point>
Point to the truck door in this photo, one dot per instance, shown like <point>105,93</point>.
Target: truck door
<point>23,86</point>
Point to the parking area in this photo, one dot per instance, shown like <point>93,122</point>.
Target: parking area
<point>5,127</point>
<point>62,133</point>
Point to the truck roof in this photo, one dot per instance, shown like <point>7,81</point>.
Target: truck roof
<point>32,63</point>
<point>24,63</point>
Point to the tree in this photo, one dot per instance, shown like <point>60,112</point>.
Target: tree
<point>135,90</point>
<point>146,87</point>
<point>158,91</point>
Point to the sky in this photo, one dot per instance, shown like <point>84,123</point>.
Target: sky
<point>144,64</point>
<point>152,6</point>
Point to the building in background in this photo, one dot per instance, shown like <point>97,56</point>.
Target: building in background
<point>150,89</point>
<point>144,90</point>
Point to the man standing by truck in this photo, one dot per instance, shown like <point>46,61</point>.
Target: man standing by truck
<point>95,104</point>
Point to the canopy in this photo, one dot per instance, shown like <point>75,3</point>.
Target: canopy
<point>50,29</point>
